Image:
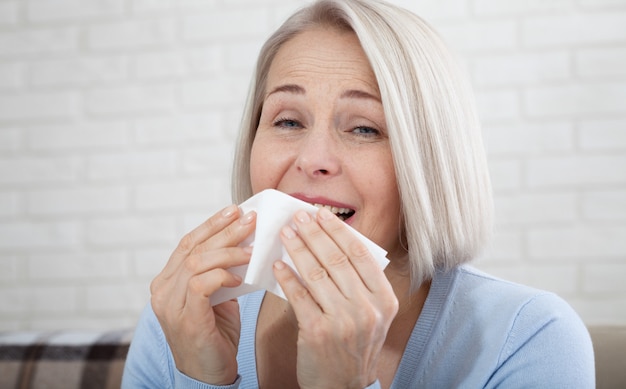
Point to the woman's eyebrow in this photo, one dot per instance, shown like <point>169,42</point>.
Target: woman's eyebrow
<point>299,90</point>
<point>359,94</point>
<point>287,88</point>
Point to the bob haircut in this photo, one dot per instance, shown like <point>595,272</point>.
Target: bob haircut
<point>434,134</point>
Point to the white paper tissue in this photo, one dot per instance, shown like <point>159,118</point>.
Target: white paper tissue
<point>274,211</point>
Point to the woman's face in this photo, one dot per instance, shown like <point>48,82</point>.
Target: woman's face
<point>322,136</point>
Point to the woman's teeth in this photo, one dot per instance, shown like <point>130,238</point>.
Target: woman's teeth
<point>342,213</point>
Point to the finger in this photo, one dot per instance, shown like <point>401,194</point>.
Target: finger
<point>372,276</point>
<point>201,233</point>
<point>197,265</point>
<point>231,235</point>
<point>302,302</point>
<point>199,291</point>
<point>329,254</point>
<point>313,274</point>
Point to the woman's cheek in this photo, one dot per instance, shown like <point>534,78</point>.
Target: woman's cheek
<point>264,164</point>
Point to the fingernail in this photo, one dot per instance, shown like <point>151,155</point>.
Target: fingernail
<point>247,249</point>
<point>229,211</point>
<point>279,265</point>
<point>247,218</point>
<point>325,214</point>
<point>288,232</point>
<point>303,217</point>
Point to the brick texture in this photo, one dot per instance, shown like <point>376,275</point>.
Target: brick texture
<point>117,124</point>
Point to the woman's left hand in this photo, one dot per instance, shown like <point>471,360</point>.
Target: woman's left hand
<point>343,302</point>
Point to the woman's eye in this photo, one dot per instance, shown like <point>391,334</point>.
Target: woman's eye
<point>287,123</point>
<point>365,131</point>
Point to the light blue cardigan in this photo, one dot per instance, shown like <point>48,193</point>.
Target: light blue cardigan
<point>475,331</point>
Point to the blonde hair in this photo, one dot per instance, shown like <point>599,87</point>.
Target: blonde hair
<point>433,128</point>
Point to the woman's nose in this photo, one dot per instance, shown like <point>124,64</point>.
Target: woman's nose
<point>318,156</point>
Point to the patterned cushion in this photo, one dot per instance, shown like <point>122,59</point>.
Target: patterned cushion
<point>66,359</point>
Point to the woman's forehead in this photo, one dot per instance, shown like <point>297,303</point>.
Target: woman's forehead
<point>316,56</point>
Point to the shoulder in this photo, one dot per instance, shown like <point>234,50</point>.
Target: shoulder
<point>538,332</point>
<point>495,333</point>
<point>518,310</point>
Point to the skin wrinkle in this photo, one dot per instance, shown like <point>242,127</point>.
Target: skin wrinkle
<point>299,90</point>
<point>308,67</point>
<point>280,99</point>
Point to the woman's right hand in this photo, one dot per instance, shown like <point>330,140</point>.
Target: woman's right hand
<point>204,338</point>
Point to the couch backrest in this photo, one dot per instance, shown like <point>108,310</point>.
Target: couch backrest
<point>609,345</point>
<point>95,360</point>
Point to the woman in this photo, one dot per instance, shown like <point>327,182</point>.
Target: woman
<point>356,105</point>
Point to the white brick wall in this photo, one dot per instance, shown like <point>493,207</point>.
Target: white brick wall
<point>118,117</point>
